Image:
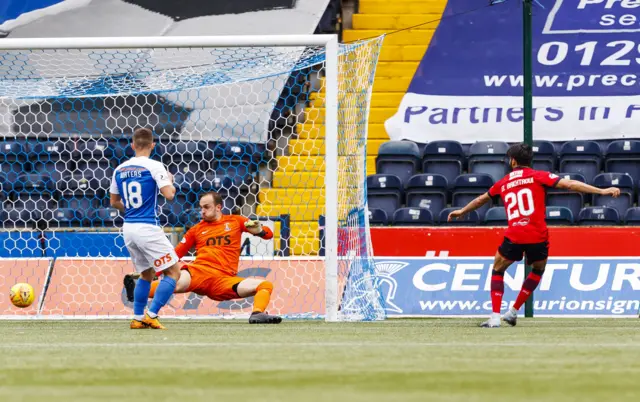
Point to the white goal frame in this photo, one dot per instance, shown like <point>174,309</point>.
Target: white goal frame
<point>329,42</point>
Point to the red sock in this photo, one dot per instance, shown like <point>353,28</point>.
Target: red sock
<point>497,290</point>
<point>530,284</point>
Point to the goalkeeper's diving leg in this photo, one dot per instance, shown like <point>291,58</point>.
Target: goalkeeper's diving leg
<point>219,288</point>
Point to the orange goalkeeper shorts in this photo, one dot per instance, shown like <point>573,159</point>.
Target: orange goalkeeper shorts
<point>212,283</point>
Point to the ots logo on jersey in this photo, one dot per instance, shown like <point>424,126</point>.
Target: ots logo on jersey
<point>162,260</point>
<point>219,241</point>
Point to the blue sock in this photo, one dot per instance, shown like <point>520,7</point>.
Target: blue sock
<point>141,296</point>
<point>164,291</point>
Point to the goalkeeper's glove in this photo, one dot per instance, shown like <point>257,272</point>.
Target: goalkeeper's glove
<point>255,225</point>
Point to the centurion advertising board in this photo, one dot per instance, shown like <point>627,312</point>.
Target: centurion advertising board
<point>469,84</point>
<point>592,272</point>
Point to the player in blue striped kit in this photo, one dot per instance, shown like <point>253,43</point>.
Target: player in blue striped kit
<point>134,191</point>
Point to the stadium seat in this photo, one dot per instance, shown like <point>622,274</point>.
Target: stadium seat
<point>470,219</point>
<point>33,201</point>
<point>445,158</point>
<point>582,157</point>
<point>598,216</point>
<point>105,217</point>
<point>99,170</point>
<point>427,191</point>
<point>49,151</point>
<point>559,216</point>
<point>54,169</point>
<point>67,217</point>
<point>33,182</point>
<point>623,156</point>
<point>469,186</point>
<point>412,217</point>
<point>632,216</point>
<point>621,180</point>
<point>187,151</point>
<point>14,151</point>
<point>18,218</point>
<point>83,201</point>
<point>238,151</point>
<point>489,157</point>
<point>496,216</point>
<point>562,198</point>
<point>544,156</point>
<point>378,217</point>
<point>9,171</point>
<point>94,149</point>
<point>384,192</point>
<point>188,169</point>
<point>399,158</point>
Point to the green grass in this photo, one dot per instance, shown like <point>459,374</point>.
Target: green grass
<point>396,360</point>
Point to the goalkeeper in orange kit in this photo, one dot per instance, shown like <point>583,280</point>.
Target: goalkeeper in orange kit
<point>217,239</point>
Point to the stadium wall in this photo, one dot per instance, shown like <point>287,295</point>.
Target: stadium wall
<point>592,272</point>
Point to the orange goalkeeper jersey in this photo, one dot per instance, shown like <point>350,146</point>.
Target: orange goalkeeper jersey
<point>217,244</point>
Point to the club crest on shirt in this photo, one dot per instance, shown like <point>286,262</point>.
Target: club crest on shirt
<point>227,227</point>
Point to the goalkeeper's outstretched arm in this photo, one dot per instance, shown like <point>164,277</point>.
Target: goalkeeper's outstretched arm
<point>255,228</point>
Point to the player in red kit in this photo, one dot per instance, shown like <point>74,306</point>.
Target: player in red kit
<point>523,193</point>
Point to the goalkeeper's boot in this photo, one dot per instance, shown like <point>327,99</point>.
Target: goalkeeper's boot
<point>258,317</point>
<point>511,317</point>
<point>135,324</point>
<point>493,322</point>
<point>130,284</point>
<point>153,323</point>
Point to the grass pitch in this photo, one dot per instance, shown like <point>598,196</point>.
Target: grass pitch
<point>396,360</point>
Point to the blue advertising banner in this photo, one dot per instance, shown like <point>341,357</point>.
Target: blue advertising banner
<point>469,83</point>
<point>460,286</point>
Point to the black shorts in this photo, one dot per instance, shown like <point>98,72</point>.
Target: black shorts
<point>534,252</point>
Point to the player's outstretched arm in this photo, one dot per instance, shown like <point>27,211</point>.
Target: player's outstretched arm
<point>580,187</point>
<point>472,206</point>
<point>255,228</point>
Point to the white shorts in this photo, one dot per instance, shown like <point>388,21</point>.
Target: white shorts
<point>148,247</point>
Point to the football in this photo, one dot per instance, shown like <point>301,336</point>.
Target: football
<point>22,295</point>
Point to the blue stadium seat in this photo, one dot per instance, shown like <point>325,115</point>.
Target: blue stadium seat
<point>14,151</point>
<point>188,169</point>
<point>412,217</point>
<point>544,156</point>
<point>399,158</point>
<point>49,151</point>
<point>598,216</point>
<point>562,198</point>
<point>496,216</point>
<point>82,201</point>
<point>54,169</point>
<point>469,186</point>
<point>18,218</point>
<point>632,216</point>
<point>559,216</point>
<point>582,157</point>
<point>99,170</point>
<point>105,217</point>
<point>34,201</point>
<point>238,151</point>
<point>67,217</point>
<point>378,217</point>
<point>94,149</point>
<point>186,151</point>
<point>33,182</point>
<point>470,219</point>
<point>190,217</point>
<point>489,157</point>
<point>621,180</point>
<point>623,156</point>
<point>384,192</point>
<point>9,171</point>
<point>83,182</point>
<point>427,191</point>
<point>445,158</point>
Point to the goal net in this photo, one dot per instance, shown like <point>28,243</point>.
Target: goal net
<point>277,125</point>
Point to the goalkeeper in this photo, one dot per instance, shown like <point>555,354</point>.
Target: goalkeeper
<point>217,239</point>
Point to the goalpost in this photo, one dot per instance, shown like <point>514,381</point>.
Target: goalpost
<point>276,124</point>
